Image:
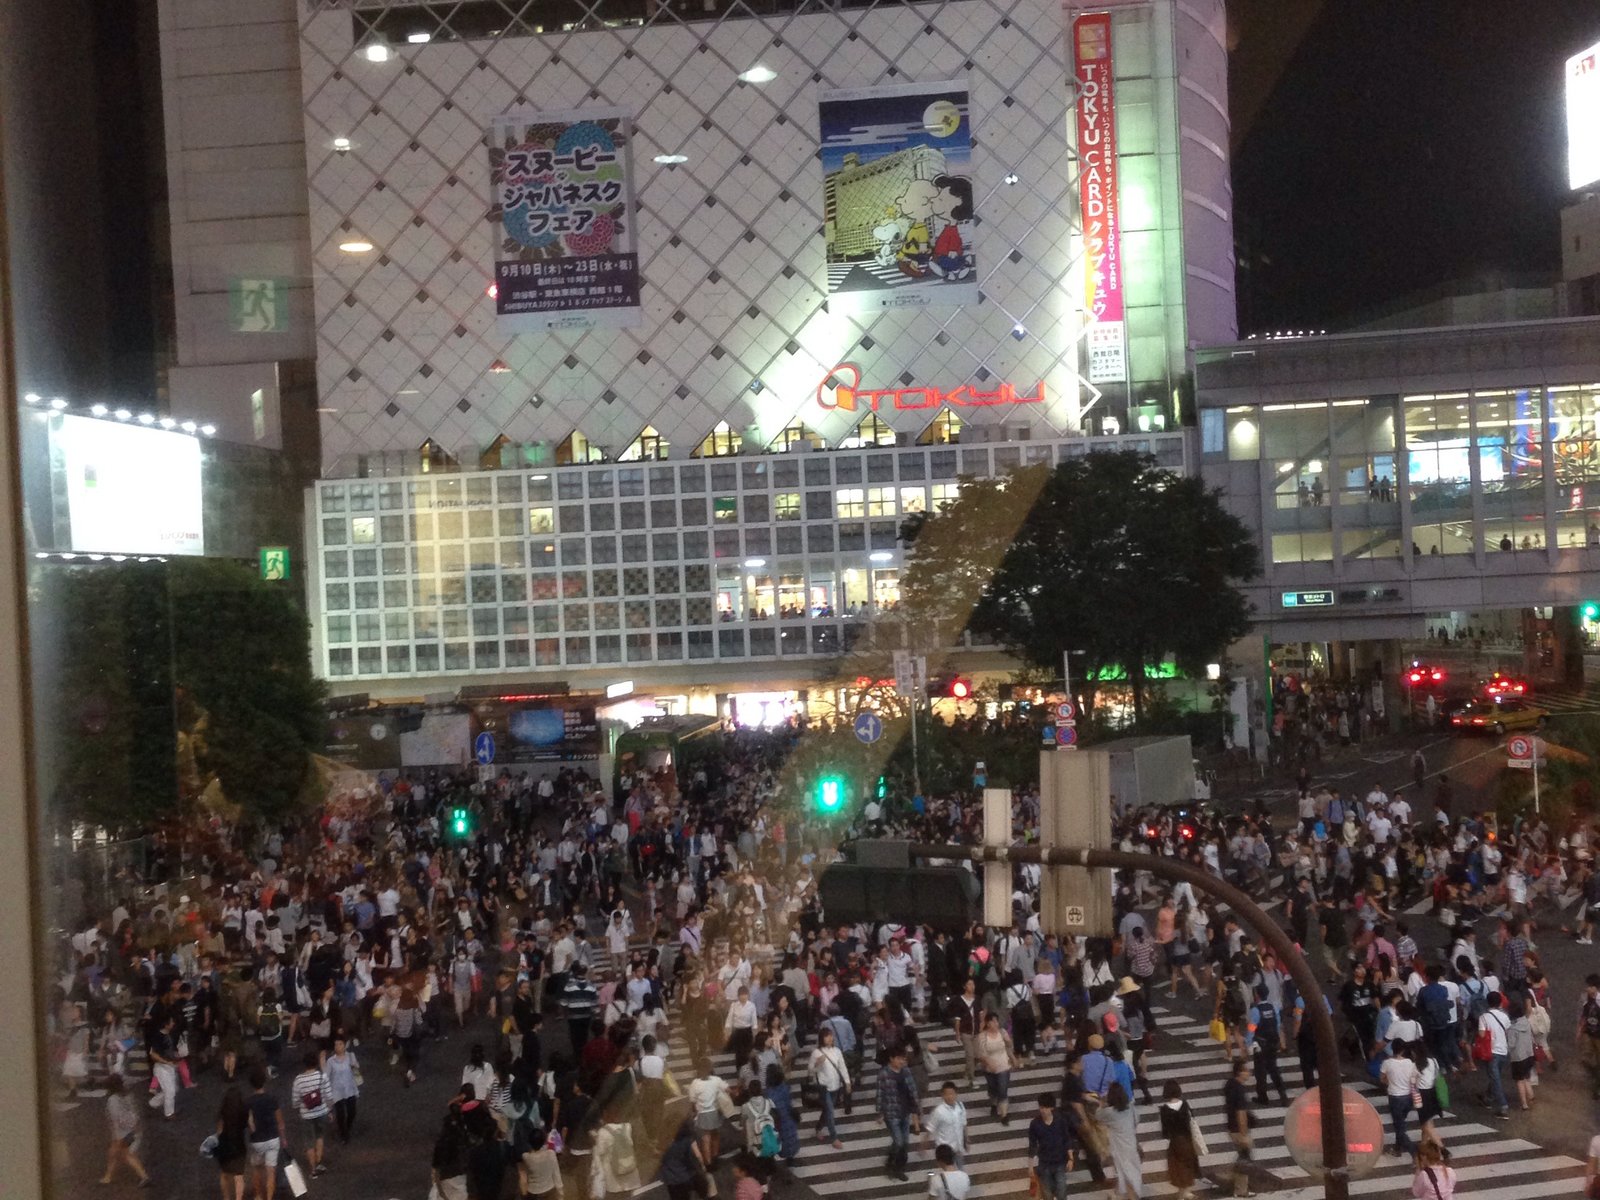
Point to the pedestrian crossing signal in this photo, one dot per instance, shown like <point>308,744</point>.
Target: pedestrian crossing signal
<point>1590,610</point>
<point>830,794</point>
<point>460,822</point>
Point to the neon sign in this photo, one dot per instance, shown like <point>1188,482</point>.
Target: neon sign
<point>852,396</point>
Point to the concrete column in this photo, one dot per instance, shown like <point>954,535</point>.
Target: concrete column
<point>23,1103</point>
<point>1075,809</point>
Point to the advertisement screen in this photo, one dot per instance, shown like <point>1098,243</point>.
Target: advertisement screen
<point>128,489</point>
<point>1583,117</point>
<point>552,730</point>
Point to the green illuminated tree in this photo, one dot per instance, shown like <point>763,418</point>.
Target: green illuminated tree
<point>1106,555</point>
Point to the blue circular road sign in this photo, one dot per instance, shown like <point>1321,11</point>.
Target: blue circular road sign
<point>869,727</point>
<point>483,748</point>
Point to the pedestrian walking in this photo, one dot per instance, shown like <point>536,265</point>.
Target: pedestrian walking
<point>231,1153</point>
<point>1489,1050</point>
<point>310,1096</point>
<point>831,1075</point>
<point>994,1054</point>
<point>268,1136</point>
<point>900,1110</point>
<point>1236,1105</point>
<point>1178,1127</point>
<point>1048,1145</point>
<point>122,1120</point>
<point>344,1086</point>
<point>1116,1118</point>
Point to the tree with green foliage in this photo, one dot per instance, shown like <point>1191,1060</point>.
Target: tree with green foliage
<point>161,682</point>
<point>1108,555</point>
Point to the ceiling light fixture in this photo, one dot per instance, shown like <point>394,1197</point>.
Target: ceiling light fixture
<point>58,404</point>
<point>377,52</point>
<point>420,38</point>
<point>123,414</point>
<point>671,160</point>
<point>99,410</point>
<point>341,144</point>
<point>356,246</point>
<point>758,74</point>
<point>208,430</point>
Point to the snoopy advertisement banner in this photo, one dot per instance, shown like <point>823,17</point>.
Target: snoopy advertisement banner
<point>897,196</point>
<point>563,219</point>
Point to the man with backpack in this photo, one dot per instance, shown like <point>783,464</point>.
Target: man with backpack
<point>1263,1031</point>
<point>1436,1010</point>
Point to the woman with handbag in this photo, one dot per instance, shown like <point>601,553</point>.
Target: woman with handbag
<point>711,1102</point>
<point>994,1055</point>
<point>829,1072</point>
<point>1179,1127</point>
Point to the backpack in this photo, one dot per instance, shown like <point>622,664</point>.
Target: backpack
<point>1435,1005</point>
<point>269,1025</point>
<point>766,1133</point>
<point>1477,998</point>
<point>1591,1018</point>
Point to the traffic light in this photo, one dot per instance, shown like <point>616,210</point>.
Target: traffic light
<point>460,822</point>
<point>960,689</point>
<point>830,794</point>
<point>883,787</point>
<point>1590,610</point>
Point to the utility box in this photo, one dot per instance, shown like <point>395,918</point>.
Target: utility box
<point>1149,770</point>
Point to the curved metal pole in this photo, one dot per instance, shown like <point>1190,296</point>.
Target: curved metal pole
<point>1330,1082</point>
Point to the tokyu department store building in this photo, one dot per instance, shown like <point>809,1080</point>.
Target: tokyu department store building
<point>641,327</point>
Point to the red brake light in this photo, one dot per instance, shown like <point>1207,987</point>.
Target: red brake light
<point>1477,720</point>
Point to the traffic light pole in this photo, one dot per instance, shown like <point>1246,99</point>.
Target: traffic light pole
<point>1330,1083</point>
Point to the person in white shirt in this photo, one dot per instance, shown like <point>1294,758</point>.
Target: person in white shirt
<point>946,1124</point>
<point>1498,1025</point>
<point>740,1026</point>
<point>1400,811</point>
<point>949,1182</point>
<point>832,1075</point>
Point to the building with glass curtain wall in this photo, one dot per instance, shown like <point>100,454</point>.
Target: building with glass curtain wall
<point>1394,476</point>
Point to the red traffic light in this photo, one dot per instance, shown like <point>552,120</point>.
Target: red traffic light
<point>960,689</point>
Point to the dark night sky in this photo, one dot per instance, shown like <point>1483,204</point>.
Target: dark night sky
<point>1407,143</point>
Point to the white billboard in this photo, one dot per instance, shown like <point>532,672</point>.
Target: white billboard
<point>1583,117</point>
<point>129,489</point>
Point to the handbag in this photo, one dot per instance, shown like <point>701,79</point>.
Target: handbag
<point>1217,1030</point>
<point>1198,1138</point>
<point>296,1177</point>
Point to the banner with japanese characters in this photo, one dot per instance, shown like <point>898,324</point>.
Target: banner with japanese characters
<point>564,220</point>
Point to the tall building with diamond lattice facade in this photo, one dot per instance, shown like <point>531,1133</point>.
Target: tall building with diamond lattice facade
<point>708,490</point>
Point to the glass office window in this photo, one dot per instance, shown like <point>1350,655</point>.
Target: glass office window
<point>516,652</point>
<point>1573,415</point>
<point>1439,463</point>
<point>547,652</point>
<point>1302,546</point>
<point>850,502</point>
<point>1297,448</point>
<point>1509,449</point>
<point>669,646</point>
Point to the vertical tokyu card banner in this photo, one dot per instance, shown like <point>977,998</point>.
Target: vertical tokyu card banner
<point>897,203</point>
<point>1098,201</point>
<point>564,220</point>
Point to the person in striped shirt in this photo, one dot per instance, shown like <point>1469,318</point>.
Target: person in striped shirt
<point>311,1101</point>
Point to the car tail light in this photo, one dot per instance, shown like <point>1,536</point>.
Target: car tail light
<point>1477,720</point>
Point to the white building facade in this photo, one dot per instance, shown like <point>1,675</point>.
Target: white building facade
<point>718,483</point>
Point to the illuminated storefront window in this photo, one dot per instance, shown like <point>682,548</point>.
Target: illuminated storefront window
<point>1510,460</point>
<point>1574,424</point>
<point>944,430</point>
<point>1439,465</point>
<point>720,442</point>
<point>1364,477</point>
<point>648,445</point>
<point>1243,433</point>
<point>913,500</point>
<point>577,448</point>
<point>851,502</point>
<point>792,437</point>
<point>872,431</point>
<point>886,588</point>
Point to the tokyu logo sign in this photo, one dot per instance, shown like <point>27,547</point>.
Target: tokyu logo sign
<point>847,394</point>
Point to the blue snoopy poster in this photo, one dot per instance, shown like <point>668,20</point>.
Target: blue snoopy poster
<point>563,221</point>
<point>897,196</point>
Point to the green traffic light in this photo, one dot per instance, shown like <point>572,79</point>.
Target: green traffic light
<point>459,825</point>
<point>1590,610</point>
<point>830,794</point>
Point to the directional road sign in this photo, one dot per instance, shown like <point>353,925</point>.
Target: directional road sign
<point>869,728</point>
<point>483,748</point>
